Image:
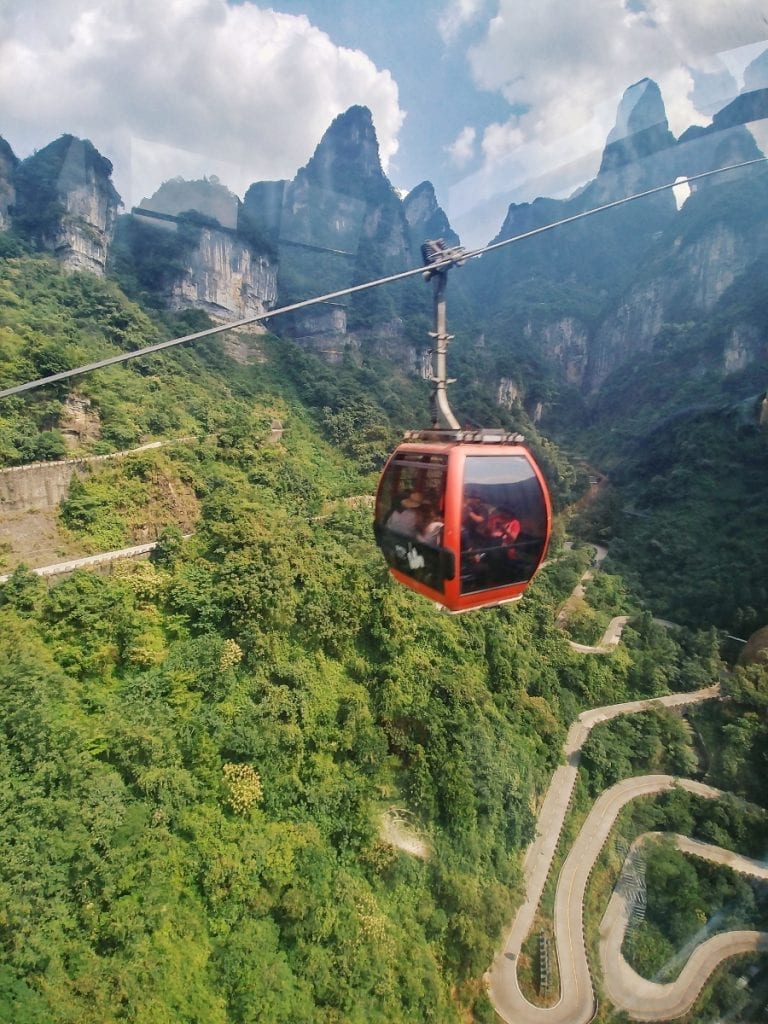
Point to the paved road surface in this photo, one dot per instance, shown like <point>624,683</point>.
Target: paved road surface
<point>650,1001</point>
<point>612,634</point>
<point>610,638</point>
<point>576,1004</point>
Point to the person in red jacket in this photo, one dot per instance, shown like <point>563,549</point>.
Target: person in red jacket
<point>504,529</point>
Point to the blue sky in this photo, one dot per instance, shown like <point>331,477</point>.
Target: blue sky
<point>491,100</point>
<point>434,79</point>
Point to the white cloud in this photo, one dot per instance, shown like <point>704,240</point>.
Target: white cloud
<point>502,141</point>
<point>242,91</point>
<point>462,149</point>
<point>456,16</point>
<point>563,68</point>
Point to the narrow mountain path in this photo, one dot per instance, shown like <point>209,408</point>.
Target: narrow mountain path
<point>609,640</point>
<point>30,496</point>
<point>89,561</point>
<point>615,627</point>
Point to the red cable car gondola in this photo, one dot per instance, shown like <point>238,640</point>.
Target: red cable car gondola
<point>462,517</point>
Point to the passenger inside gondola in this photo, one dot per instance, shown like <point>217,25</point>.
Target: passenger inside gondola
<point>430,525</point>
<point>474,567</point>
<point>497,549</point>
<point>405,516</point>
<point>505,528</point>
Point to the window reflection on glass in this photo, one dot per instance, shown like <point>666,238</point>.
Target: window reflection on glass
<point>503,522</point>
<point>409,518</point>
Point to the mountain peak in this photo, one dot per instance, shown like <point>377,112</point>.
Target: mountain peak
<point>641,127</point>
<point>425,218</point>
<point>207,196</point>
<point>756,73</point>
<point>356,117</point>
<point>347,157</point>
<point>641,108</point>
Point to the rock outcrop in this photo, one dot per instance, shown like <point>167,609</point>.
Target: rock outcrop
<point>79,421</point>
<point>8,164</point>
<point>324,330</point>
<point>213,265</point>
<point>66,203</point>
<point>343,201</point>
<point>426,219</point>
<point>566,343</point>
<point>225,278</point>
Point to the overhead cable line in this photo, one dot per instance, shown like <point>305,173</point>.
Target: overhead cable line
<point>437,265</point>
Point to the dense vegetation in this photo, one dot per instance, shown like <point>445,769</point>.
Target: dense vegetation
<point>196,752</point>
<point>724,743</point>
<point>686,519</point>
<point>689,899</point>
<point>274,643</point>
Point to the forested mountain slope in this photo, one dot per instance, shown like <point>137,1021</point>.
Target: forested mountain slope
<point>196,751</point>
<point>685,515</point>
<point>679,426</point>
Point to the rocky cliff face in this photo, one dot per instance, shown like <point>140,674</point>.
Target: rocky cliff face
<point>213,266</point>
<point>566,343</point>
<point>225,278</point>
<point>596,294</point>
<point>8,163</point>
<point>583,299</point>
<point>65,202</point>
<point>699,272</point>
<point>338,223</point>
<point>79,421</point>
<point>745,344</point>
<point>425,218</point>
<point>323,328</point>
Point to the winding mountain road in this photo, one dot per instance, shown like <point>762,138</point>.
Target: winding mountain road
<point>651,1001</point>
<point>577,1003</point>
<point>642,999</point>
<point>609,640</point>
<point>615,627</point>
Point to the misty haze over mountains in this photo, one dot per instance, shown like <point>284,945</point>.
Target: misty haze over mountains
<point>579,302</point>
